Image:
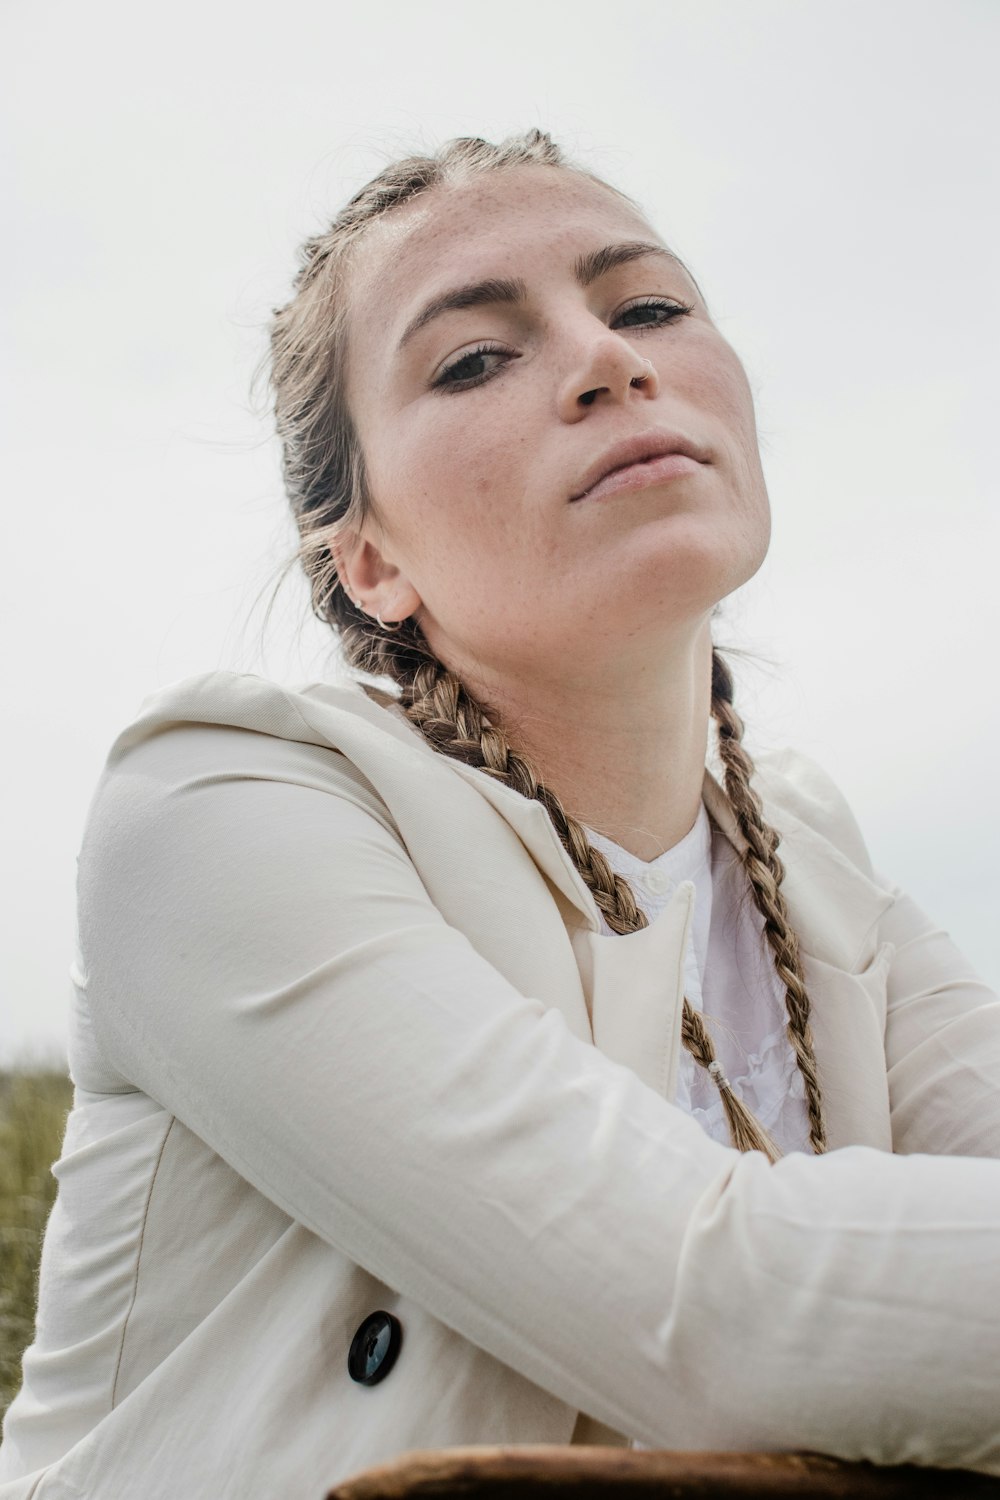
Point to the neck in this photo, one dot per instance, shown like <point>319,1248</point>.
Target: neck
<point>625,755</point>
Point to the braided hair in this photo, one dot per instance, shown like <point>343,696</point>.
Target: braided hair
<point>324,475</point>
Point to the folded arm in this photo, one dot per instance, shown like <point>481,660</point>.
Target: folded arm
<point>263,960</point>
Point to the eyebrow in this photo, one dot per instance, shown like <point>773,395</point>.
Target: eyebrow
<point>587,268</point>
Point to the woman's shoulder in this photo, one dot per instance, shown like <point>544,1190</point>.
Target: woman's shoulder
<point>799,793</point>
<point>215,728</point>
<point>244,700</point>
<point>226,709</point>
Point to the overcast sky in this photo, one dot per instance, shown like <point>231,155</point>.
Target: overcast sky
<point>826,167</point>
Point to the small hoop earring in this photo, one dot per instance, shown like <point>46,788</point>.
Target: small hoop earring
<point>391,629</point>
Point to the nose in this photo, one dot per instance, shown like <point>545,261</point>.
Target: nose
<point>610,368</point>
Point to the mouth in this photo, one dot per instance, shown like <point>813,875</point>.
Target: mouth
<point>648,458</point>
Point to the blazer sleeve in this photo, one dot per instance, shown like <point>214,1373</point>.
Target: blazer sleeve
<point>262,958</point>
<point>942,1040</point>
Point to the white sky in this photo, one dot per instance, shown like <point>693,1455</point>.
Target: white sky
<point>826,167</point>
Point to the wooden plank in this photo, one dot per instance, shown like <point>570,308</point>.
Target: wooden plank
<point>590,1473</point>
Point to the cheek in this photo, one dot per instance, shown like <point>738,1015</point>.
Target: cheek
<point>724,391</point>
<point>463,477</point>
<point>455,519</point>
<point>722,387</point>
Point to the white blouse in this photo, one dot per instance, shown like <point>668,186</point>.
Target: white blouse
<point>731,979</point>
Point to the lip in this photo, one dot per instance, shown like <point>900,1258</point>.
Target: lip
<point>638,451</point>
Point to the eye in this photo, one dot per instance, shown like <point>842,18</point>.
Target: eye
<point>661,311</point>
<point>467,370</point>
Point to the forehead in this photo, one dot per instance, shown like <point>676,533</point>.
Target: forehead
<point>501,223</point>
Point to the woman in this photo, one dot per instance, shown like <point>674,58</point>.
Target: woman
<point>461,1063</point>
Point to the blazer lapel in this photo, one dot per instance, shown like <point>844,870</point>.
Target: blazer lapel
<point>533,826</point>
<point>624,992</point>
<point>834,910</point>
<point>528,819</point>
<point>634,983</point>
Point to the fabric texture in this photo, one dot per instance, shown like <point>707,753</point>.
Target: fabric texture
<point>347,1036</point>
<point>729,976</point>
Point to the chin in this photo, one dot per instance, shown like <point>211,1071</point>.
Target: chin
<point>697,558</point>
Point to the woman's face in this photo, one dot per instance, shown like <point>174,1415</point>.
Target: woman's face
<point>480,423</point>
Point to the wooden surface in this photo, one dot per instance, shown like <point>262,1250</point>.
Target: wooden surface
<point>587,1473</point>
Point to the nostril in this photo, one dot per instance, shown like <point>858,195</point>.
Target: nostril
<point>588,397</point>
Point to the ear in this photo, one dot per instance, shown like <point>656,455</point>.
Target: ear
<point>375,584</point>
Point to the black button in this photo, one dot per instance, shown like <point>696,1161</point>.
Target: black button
<point>374,1348</point>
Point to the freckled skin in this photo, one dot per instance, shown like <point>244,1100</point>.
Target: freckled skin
<point>587,621</point>
<point>474,483</point>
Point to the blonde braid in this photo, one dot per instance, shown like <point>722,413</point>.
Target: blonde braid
<point>443,709</point>
<point>765,872</point>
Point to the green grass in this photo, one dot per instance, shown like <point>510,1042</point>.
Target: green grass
<point>33,1109</point>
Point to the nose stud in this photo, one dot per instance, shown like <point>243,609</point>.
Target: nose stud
<point>587,397</point>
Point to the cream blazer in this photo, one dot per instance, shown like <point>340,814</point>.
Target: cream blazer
<point>347,1039</point>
